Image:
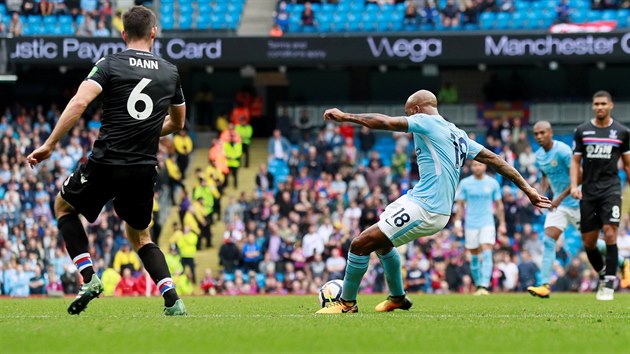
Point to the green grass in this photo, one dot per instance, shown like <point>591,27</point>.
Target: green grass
<point>450,323</point>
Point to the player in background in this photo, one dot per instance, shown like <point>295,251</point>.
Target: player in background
<point>138,90</point>
<point>553,159</point>
<point>479,194</point>
<point>441,150</point>
<point>597,146</point>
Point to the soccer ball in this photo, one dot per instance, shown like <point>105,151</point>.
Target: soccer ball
<point>330,292</point>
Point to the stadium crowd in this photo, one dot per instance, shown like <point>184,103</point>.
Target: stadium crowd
<point>33,259</point>
<point>320,187</point>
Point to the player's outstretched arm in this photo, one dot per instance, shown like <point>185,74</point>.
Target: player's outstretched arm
<point>370,120</point>
<point>175,120</point>
<point>626,165</point>
<point>86,93</point>
<point>509,172</point>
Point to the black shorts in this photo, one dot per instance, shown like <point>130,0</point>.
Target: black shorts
<point>131,187</point>
<point>594,213</point>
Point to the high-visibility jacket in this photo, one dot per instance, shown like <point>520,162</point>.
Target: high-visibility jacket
<point>217,156</point>
<point>173,170</point>
<point>207,198</point>
<point>183,144</point>
<point>245,131</point>
<point>188,245</point>
<point>233,153</point>
<point>214,174</point>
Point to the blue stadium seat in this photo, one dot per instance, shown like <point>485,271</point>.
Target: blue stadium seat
<point>329,8</point>
<point>593,15</point>
<point>65,20</point>
<point>3,9</point>
<point>316,7</point>
<point>368,16</point>
<point>471,27</point>
<point>66,29</point>
<point>397,16</point>
<point>167,10</point>
<point>352,26</point>
<point>168,23</point>
<point>34,20</point>
<point>609,15</point>
<point>356,7</point>
<point>231,22</point>
<point>578,15</point>
<point>396,26</point>
<point>368,26</point>
<point>50,20</point>
<point>185,22</point>
<point>384,16</point>
<point>298,8</point>
<point>217,22</point>
<point>185,10</point>
<point>622,17</point>
<point>486,20</point>
<point>203,20</point>
<point>169,2</point>
<point>383,26</point>
<point>324,26</point>
<point>323,17</point>
<point>517,21</point>
<point>409,27</point>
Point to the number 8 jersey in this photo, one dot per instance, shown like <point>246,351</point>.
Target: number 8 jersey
<point>138,89</point>
<point>601,149</point>
<point>441,150</point>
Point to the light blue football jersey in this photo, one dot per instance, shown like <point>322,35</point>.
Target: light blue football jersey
<point>441,150</point>
<point>555,164</point>
<point>479,195</point>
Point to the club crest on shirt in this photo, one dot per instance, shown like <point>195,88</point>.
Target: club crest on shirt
<point>613,134</point>
<point>554,163</point>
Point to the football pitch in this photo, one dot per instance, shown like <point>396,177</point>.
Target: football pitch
<point>517,323</point>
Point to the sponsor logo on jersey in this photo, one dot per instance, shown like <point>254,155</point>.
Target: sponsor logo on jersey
<point>588,132</point>
<point>599,151</point>
<point>143,63</point>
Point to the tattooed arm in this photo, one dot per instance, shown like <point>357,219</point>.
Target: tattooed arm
<point>370,120</point>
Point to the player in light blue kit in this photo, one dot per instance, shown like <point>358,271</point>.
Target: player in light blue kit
<point>479,194</point>
<point>553,159</point>
<point>441,150</point>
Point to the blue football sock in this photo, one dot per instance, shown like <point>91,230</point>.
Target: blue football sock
<point>474,268</point>
<point>549,257</point>
<point>391,266</point>
<point>355,269</point>
<point>486,268</point>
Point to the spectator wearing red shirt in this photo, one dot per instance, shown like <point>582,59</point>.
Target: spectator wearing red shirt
<point>144,285</point>
<point>127,284</point>
<point>308,16</point>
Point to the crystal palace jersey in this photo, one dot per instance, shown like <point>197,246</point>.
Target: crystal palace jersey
<point>601,149</point>
<point>138,89</point>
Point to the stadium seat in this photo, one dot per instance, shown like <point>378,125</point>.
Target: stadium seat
<point>486,20</point>
<point>517,21</point>
<point>593,15</point>
<point>368,16</point>
<point>368,26</point>
<point>231,22</point>
<point>66,29</point>
<point>203,20</point>
<point>396,26</point>
<point>383,26</point>
<point>502,20</point>
<point>50,20</point>
<point>622,17</point>
<point>609,15</point>
<point>168,23</point>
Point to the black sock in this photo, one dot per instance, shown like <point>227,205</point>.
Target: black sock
<point>612,255</point>
<point>155,264</point>
<point>77,244</point>
<point>596,260</point>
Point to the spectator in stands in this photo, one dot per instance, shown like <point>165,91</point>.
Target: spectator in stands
<point>308,16</point>
<point>450,14</point>
<point>127,284</point>
<point>281,17</point>
<point>264,179</point>
<point>101,30</point>
<point>472,11</point>
<point>4,30</point>
<point>411,15</point>
<point>335,265</point>
<point>429,15</point>
<point>46,7</point>
<point>187,245</point>
<point>89,7</point>
<point>126,259</point>
<point>229,255</point>
<point>276,31</point>
<point>245,131</point>
<point>563,12</point>
<point>278,147</point>
<point>489,5</point>
<point>175,177</point>
<point>233,149</point>
<point>208,283</point>
<point>183,148</point>
<point>87,27</point>
<point>15,26</point>
<point>14,6</point>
